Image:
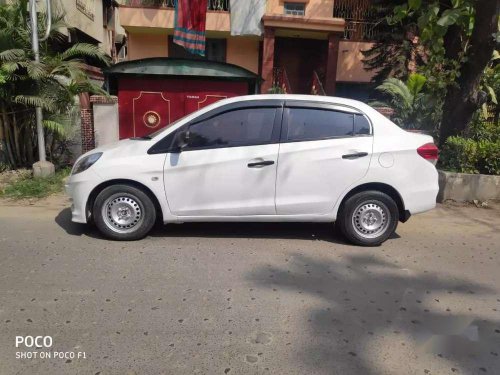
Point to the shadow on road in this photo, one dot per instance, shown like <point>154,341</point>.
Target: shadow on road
<point>301,231</point>
<point>63,219</point>
<point>371,306</point>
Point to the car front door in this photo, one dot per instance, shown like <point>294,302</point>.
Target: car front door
<point>228,167</point>
<point>324,149</point>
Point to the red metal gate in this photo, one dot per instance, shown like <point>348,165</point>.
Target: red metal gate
<point>146,105</point>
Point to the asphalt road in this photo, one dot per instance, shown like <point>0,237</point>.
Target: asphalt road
<point>251,298</point>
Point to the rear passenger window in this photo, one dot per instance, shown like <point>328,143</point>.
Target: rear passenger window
<point>361,125</point>
<point>306,124</point>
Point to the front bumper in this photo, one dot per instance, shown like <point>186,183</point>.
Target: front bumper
<point>79,187</point>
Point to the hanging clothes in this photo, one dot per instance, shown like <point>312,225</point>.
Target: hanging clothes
<point>246,16</point>
<point>189,28</point>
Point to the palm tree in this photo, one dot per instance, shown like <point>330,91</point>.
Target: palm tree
<point>412,106</point>
<point>51,84</point>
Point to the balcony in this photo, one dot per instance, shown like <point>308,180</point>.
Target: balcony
<point>213,5</point>
<point>158,16</point>
<point>86,7</point>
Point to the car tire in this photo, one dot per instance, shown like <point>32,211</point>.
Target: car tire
<point>368,218</point>
<point>124,213</point>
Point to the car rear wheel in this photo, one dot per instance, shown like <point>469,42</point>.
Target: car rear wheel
<point>124,213</point>
<point>368,218</point>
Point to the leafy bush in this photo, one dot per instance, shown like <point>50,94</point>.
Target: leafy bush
<point>482,127</point>
<point>466,155</point>
<point>488,157</point>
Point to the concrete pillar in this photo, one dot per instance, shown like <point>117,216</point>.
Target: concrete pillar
<point>331,64</point>
<point>267,60</point>
<point>99,121</point>
<point>43,169</point>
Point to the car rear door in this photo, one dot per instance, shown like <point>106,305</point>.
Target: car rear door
<point>324,150</point>
<point>229,166</point>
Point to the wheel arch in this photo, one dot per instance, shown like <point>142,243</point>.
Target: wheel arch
<point>404,214</point>
<point>95,192</point>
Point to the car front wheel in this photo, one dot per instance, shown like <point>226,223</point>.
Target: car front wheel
<point>368,218</point>
<point>124,213</point>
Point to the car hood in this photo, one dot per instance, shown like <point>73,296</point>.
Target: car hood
<point>128,147</point>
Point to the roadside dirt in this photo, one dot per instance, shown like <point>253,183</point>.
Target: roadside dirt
<point>55,200</point>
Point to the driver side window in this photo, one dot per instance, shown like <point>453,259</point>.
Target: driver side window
<point>242,127</point>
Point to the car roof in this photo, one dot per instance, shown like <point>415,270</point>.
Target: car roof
<point>296,97</point>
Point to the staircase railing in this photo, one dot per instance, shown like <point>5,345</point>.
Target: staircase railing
<point>317,86</point>
<point>280,81</point>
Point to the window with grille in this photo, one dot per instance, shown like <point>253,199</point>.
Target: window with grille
<point>295,9</point>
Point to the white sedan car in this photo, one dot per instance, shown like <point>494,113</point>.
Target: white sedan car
<point>262,158</point>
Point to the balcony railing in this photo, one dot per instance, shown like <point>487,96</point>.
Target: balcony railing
<point>213,5</point>
<point>360,30</point>
<point>358,15</point>
<point>358,10</point>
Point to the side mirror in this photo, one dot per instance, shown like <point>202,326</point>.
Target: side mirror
<point>181,140</point>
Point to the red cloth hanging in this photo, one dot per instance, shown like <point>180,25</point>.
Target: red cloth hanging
<point>190,20</point>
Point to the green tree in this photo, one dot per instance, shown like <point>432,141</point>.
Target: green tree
<point>52,84</point>
<point>459,37</point>
<point>395,50</point>
<point>409,101</point>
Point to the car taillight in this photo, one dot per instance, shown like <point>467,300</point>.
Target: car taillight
<point>429,151</point>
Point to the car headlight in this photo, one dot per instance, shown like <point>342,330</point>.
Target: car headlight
<point>86,162</point>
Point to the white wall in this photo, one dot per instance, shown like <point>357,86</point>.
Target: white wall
<point>105,123</point>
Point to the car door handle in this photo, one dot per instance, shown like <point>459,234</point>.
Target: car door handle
<point>260,164</point>
<point>355,155</point>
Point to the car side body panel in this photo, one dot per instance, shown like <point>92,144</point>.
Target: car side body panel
<point>218,181</point>
<point>311,175</point>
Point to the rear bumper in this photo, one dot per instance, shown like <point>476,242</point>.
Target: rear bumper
<point>422,197</point>
<point>422,200</point>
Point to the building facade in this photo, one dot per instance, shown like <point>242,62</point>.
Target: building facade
<point>95,22</point>
<point>307,46</point>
